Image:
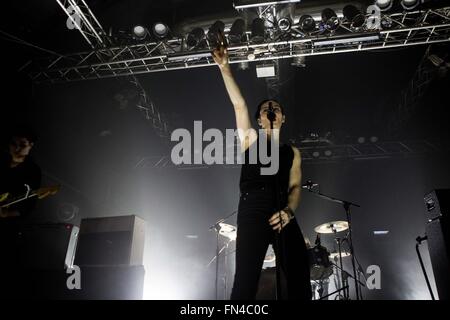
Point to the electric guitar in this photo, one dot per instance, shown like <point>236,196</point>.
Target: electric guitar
<point>41,193</point>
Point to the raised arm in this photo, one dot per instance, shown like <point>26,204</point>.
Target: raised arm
<point>247,134</point>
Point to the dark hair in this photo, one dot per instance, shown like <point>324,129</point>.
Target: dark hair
<point>258,108</point>
<point>23,131</point>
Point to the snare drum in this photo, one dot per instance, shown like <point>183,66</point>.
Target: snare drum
<point>320,265</point>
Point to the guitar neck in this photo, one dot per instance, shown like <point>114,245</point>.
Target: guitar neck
<point>19,199</point>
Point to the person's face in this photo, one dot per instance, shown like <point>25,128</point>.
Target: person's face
<point>264,122</point>
<point>19,148</point>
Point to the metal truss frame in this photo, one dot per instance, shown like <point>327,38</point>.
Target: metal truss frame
<point>407,29</point>
<point>92,31</point>
<point>325,154</point>
<point>412,93</point>
<point>88,25</point>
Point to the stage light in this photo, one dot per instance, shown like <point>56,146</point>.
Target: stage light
<point>373,139</point>
<point>409,4</point>
<point>217,28</point>
<point>316,154</point>
<point>361,139</point>
<point>265,71</point>
<point>384,5</point>
<point>307,23</point>
<point>328,153</point>
<point>237,31</point>
<point>386,23</point>
<point>160,30</point>
<point>243,65</point>
<point>140,32</point>
<point>284,24</point>
<point>330,19</point>
<point>299,61</point>
<point>195,37</point>
<point>258,30</point>
<point>354,15</point>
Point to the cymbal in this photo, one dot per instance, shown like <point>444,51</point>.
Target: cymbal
<point>332,227</point>
<point>228,231</point>
<point>335,254</point>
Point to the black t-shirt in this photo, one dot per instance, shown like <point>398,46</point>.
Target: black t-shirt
<point>13,180</point>
<point>251,173</point>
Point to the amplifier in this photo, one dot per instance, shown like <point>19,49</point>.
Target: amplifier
<point>438,238</point>
<point>38,246</point>
<point>111,241</point>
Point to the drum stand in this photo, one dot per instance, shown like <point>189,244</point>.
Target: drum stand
<point>342,279</point>
<point>216,227</point>
<point>346,205</point>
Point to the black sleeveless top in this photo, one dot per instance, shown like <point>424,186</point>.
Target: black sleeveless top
<point>251,177</point>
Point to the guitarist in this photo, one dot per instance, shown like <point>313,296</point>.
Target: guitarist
<point>16,170</point>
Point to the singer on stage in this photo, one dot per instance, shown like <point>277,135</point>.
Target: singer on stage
<point>260,210</point>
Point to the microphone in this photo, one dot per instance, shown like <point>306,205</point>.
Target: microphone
<point>309,185</point>
<point>270,113</point>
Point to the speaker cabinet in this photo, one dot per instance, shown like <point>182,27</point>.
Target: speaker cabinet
<point>97,283</point>
<point>438,235</point>
<point>38,246</point>
<point>111,241</point>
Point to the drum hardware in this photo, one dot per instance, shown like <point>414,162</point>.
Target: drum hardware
<point>229,232</point>
<point>331,227</point>
<point>334,227</point>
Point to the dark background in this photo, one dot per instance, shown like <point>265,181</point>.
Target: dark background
<point>91,146</point>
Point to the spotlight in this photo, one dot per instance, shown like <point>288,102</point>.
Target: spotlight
<point>361,139</point>
<point>384,5</point>
<point>214,31</point>
<point>328,153</point>
<point>243,65</point>
<point>160,30</point>
<point>386,23</point>
<point>307,23</point>
<point>195,37</point>
<point>237,31</point>
<point>316,154</point>
<point>298,61</point>
<point>140,32</point>
<point>373,139</point>
<point>354,15</point>
<point>284,24</point>
<point>251,55</point>
<point>330,19</point>
<point>265,71</point>
<point>409,4</point>
<point>258,30</point>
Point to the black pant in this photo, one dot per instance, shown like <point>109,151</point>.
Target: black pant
<point>254,234</point>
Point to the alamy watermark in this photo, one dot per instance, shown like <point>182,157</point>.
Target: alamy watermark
<point>189,149</point>
<point>74,280</point>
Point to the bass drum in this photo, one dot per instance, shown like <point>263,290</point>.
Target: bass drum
<point>319,263</point>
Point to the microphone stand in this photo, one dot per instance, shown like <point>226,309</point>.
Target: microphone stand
<point>216,228</point>
<point>278,237</point>
<point>346,205</point>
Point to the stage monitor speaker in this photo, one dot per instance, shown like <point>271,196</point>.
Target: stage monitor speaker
<point>96,283</point>
<point>438,235</point>
<point>437,203</point>
<point>38,246</point>
<point>111,241</point>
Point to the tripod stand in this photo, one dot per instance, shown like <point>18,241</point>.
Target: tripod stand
<point>346,205</point>
<point>229,232</point>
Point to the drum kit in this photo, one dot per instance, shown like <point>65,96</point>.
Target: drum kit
<point>325,264</point>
